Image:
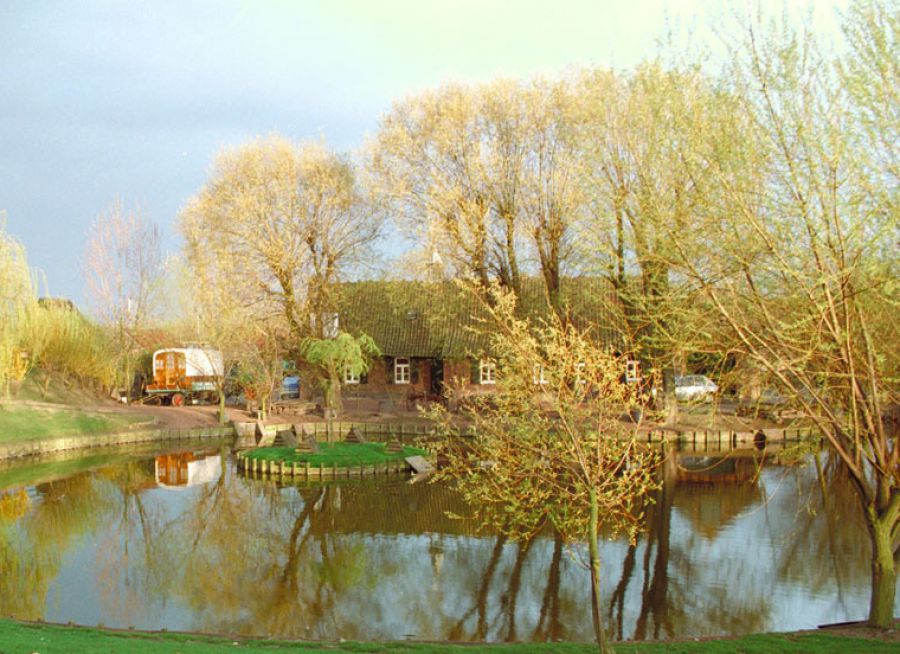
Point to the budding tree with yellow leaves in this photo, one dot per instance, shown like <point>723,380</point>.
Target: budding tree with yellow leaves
<point>284,222</point>
<point>486,175</point>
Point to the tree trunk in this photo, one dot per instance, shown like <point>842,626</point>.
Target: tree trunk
<point>603,645</point>
<point>222,407</point>
<point>884,572</point>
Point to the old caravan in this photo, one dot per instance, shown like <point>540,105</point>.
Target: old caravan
<point>185,373</point>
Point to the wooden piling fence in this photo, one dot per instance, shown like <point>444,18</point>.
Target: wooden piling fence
<point>303,469</point>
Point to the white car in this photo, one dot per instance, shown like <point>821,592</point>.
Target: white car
<point>694,387</point>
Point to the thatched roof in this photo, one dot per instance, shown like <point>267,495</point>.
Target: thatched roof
<point>443,321</point>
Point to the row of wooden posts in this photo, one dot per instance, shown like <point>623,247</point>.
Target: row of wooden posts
<point>730,438</point>
<point>337,431</point>
<point>305,469</point>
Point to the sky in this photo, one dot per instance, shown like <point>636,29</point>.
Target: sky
<point>107,99</point>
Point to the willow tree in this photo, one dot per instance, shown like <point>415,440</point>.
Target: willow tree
<point>485,175</point>
<point>336,357</point>
<point>17,301</point>
<point>804,269</point>
<point>550,447</point>
<point>284,221</point>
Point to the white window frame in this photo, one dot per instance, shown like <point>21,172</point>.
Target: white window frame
<point>350,377</point>
<point>632,370</point>
<point>402,370</point>
<point>487,371</point>
<point>579,372</point>
<point>330,325</point>
<point>537,375</point>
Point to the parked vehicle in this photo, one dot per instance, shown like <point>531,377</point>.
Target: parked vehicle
<point>290,387</point>
<point>694,387</point>
<point>182,374</point>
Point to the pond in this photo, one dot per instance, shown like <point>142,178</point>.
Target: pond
<point>180,540</point>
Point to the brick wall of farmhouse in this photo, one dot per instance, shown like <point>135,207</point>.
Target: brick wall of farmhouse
<point>379,382</point>
<point>380,378</point>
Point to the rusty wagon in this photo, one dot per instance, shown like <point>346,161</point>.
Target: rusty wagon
<point>186,374</point>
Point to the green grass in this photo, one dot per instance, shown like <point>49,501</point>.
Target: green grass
<point>24,423</point>
<point>22,638</point>
<point>340,455</point>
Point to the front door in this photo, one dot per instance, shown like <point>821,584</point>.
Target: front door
<point>436,387</point>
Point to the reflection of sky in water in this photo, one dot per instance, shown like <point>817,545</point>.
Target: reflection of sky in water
<point>381,560</point>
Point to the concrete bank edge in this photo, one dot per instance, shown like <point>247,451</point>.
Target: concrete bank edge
<point>89,441</point>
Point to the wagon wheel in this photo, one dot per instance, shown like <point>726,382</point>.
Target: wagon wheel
<point>178,400</point>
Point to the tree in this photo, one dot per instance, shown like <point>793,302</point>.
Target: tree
<point>124,269</point>
<point>487,176</point>
<point>17,301</point>
<point>213,315</point>
<point>804,271</point>
<point>284,222</point>
<point>337,356</point>
<point>642,134</point>
<point>261,363</point>
<point>556,453</point>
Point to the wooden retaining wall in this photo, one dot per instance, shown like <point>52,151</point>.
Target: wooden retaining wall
<point>727,438</point>
<point>337,431</point>
<point>47,446</point>
<point>305,470</point>
<point>404,432</point>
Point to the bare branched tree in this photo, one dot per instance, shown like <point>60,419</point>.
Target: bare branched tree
<point>124,270</point>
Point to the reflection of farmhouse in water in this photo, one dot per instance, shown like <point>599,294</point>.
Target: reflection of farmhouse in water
<point>185,469</point>
<point>735,468</point>
<point>715,490</point>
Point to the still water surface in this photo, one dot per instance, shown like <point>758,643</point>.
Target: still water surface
<point>180,540</point>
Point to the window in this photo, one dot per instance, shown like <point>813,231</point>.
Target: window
<point>632,371</point>
<point>537,374</point>
<point>487,369</point>
<point>350,377</point>
<point>330,324</point>
<point>579,373</point>
<point>401,370</point>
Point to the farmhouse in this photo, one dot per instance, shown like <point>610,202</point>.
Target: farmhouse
<point>433,339</point>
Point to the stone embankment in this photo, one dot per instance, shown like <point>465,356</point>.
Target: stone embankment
<point>62,444</point>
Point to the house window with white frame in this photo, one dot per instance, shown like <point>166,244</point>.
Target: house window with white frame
<point>537,374</point>
<point>329,322</point>
<point>487,370</point>
<point>632,371</point>
<point>401,370</point>
<point>579,373</point>
<point>350,376</point>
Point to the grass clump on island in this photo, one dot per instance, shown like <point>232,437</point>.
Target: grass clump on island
<point>339,455</point>
<point>19,637</point>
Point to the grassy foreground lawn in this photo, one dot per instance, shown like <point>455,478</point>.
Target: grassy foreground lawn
<point>26,423</point>
<point>340,455</point>
<point>24,638</point>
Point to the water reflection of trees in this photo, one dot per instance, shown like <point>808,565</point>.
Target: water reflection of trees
<point>33,543</point>
<point>377,559</point>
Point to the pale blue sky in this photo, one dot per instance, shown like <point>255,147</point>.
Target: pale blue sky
<point>103,98</point>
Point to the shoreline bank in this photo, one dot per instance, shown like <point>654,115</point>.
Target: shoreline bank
<point>22,637</point>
